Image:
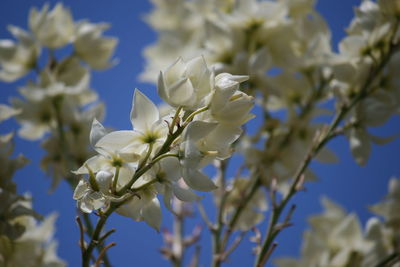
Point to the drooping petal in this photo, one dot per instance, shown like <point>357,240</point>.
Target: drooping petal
<point>198,181</point>
<point>151,213</point>
<point>168,197</point>
<point>144,112</point>
<point>171,167</point>
<point>198,129</point>
<point>184,194</point>
<point>131,209</point>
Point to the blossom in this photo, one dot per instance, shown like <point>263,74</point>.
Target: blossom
<point>93,195</point>
<point>186,84</point>
<point>17,58</point>
<point>54,28</point>
<point>95,49</point>
<point>390,206</point>
<point>167,174</point>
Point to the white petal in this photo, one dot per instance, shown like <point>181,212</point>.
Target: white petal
<point>117,140</point>
<point>181,93</point>
<point>162,87</point>
<point>80,189</point>
<point>131,209</point>
<point>95,163</point>
<point>168,198</point>
<point>97,200</point>
<point>198,129</point>
<point>198,181</point>
<point>7,112</point>
<point>144,113</point>
<point>360,145</point>
<point>171,167</point>
<point>85,206</point>
<point>97,132</point>
<point>103,179</point>
<point>184,194</point>
<point>151,213</point>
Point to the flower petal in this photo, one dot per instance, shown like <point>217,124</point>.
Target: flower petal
<point>151,213</point>
<point>198,181</point>
<point>97,132</point>
<point>144,112</point>
<point>184,194</point>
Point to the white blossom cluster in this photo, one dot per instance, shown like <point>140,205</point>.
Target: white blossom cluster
<point>285,48</point>
<point>337,238</point>
<point>165,154</point>
<point>23,242</point>
<point>60,101</point>
<point>371,35</point>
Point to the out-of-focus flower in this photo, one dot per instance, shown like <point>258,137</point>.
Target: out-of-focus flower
<point>52,28</point>
<point>17,58</point>
<point>95,49</point>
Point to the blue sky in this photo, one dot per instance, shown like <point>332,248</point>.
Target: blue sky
<point>137,244</point>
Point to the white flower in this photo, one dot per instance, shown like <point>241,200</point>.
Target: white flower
<point>53,28</point>
<point>95,49</point>
<point>17,58</point>
<point>186,84</point>
<point>228,105</point>
<point>88,199</point>
<point>35,245</point>
<point>389,208</point>
<point>167,173</point>
<point>148,129</point>
<point>112,155</point>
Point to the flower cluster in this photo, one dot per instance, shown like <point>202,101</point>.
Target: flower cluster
<point>284,47</point>
<point>58,102</point>
<point>337,238</point>
<point>22,240</point>
<point>53,29</point>
<point>372,39</point>
<point>165,154</point>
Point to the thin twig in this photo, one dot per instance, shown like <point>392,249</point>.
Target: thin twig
<point>204,216</point>
<point>234,245</point>
<point>102,253</point>
<point>106,235</point>
<point>81,236</point>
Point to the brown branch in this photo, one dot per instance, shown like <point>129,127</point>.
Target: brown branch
<point>102,253</point>
<point>81,236</point>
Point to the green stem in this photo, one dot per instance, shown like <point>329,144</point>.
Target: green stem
<point>115,181</point>
<point>175,120</point>
<point>191,116</point>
